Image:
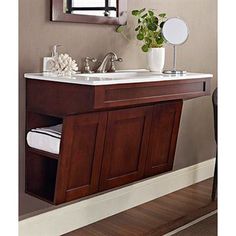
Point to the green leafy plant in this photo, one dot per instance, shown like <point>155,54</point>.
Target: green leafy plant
<point>149,28</point>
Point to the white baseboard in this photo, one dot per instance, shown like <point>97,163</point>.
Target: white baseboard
<point>77,215</point>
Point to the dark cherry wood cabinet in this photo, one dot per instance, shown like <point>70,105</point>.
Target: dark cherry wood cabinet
<point>126,146</point>
<point>163,138</point>
<point>81,156</point>
<point>112,135</point>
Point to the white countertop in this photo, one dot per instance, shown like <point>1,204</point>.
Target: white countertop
<point>119,77</point>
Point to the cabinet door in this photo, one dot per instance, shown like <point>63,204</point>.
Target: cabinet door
<point>125,146</point>
<point>81,156</point>
<point>165,126</point>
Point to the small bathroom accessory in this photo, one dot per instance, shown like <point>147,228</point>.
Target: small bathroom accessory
<point>48,61</point>
<point>175,32</point>
<point>64,65</point>
<point>59,65</point>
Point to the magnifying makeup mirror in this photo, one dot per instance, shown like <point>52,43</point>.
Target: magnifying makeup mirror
<point>175,32</point>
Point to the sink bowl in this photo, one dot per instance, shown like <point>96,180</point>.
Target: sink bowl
<point>121,74</point>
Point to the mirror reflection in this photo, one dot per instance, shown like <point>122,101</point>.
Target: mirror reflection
<point>106,8</point>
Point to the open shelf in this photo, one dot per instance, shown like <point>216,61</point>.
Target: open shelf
<point>41,175</point>
<point>43,153</point>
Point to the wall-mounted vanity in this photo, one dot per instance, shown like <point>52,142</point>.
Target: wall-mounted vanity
<point>112,12</point>
<point>117,128</point>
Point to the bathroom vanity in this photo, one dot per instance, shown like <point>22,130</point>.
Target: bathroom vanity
<point>117,128</point>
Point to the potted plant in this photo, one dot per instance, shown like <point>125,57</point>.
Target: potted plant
<point>149,32</point>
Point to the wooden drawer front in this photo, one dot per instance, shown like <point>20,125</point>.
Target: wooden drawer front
<point>81,157</point>
<point>165,126</point>
<point>58,99</point>
<point>125,146</point>
<point>120,95</point>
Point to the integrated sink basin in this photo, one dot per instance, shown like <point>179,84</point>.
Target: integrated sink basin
<point>122,74</point>
<point>119,77</point>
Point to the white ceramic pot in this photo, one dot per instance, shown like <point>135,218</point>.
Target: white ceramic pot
<point>156,59</point>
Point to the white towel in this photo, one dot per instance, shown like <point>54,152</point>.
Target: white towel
<point>47,138</point>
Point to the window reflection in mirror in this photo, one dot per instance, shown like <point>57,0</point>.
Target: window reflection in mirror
<point>91,7</point>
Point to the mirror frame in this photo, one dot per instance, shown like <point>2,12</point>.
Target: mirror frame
<point>57,14</point>
<point>176,17</point>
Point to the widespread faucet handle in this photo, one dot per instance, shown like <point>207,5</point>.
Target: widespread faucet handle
<point>92,59</point>
<point>86,64</point>
<point>113,60</point>
<point>119,59</point>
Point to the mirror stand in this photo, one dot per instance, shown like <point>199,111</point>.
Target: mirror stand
<point>174,71</point>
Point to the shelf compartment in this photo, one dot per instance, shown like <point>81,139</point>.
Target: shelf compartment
<point>41,174</point>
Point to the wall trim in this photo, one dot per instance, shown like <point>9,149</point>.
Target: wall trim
<point>80,214</point>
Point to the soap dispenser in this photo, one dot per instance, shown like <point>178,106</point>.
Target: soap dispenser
<point>48,60</point>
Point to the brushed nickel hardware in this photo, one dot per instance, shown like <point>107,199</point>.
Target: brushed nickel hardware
<point>112,57</point>
<point>87,66</point>
<point>113,69</point>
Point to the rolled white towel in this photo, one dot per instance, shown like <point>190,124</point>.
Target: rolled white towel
<point>46,138</point>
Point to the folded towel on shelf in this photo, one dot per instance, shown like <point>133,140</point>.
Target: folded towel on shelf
<point>47,139</point>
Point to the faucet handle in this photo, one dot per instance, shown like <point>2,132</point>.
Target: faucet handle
<point>92,59</point>
<point>113,60</point>
<point>118,59</point>
<point>86,64</point>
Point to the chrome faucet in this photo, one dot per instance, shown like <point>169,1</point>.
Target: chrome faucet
<point>113,58</point>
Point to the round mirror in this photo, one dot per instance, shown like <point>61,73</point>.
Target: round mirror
<point>175,32</point>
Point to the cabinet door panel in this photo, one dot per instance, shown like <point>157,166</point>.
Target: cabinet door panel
<point>125,146</point>
<point>163,138</point>
<point>80,161</point>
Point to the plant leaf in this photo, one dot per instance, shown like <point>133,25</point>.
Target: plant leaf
<point>144,15</point>
<point>162,24</point>
<point>137,28</point>
<point>140,36</point>
<point>120,29</point>
<point>135,12</point>
<point>148,40</point>
<point>145,48</point>
<point>162,15</point>
<point>155,20</point>
<point>152,26</point>
<point>160,40</point>
<point>151,13</point>
<point>142,10</point>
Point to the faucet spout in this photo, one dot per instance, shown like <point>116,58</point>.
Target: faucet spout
<point>102,67</point>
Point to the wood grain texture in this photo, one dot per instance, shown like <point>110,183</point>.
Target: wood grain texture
<point>125,146</point>
<point>63,99</point>
<point>58,99</point>
<point>140,93</point>
<point>81,157</point>
<point>162,144</point>
<point>40,176</point>
<point>111,136</point>
<point>156,217</point>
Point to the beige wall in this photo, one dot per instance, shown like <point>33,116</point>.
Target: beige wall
<point>199,54</point>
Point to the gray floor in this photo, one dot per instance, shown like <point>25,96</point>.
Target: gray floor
<point>207,227</point>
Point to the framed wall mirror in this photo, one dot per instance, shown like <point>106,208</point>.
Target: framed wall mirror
<point>112,12</point>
